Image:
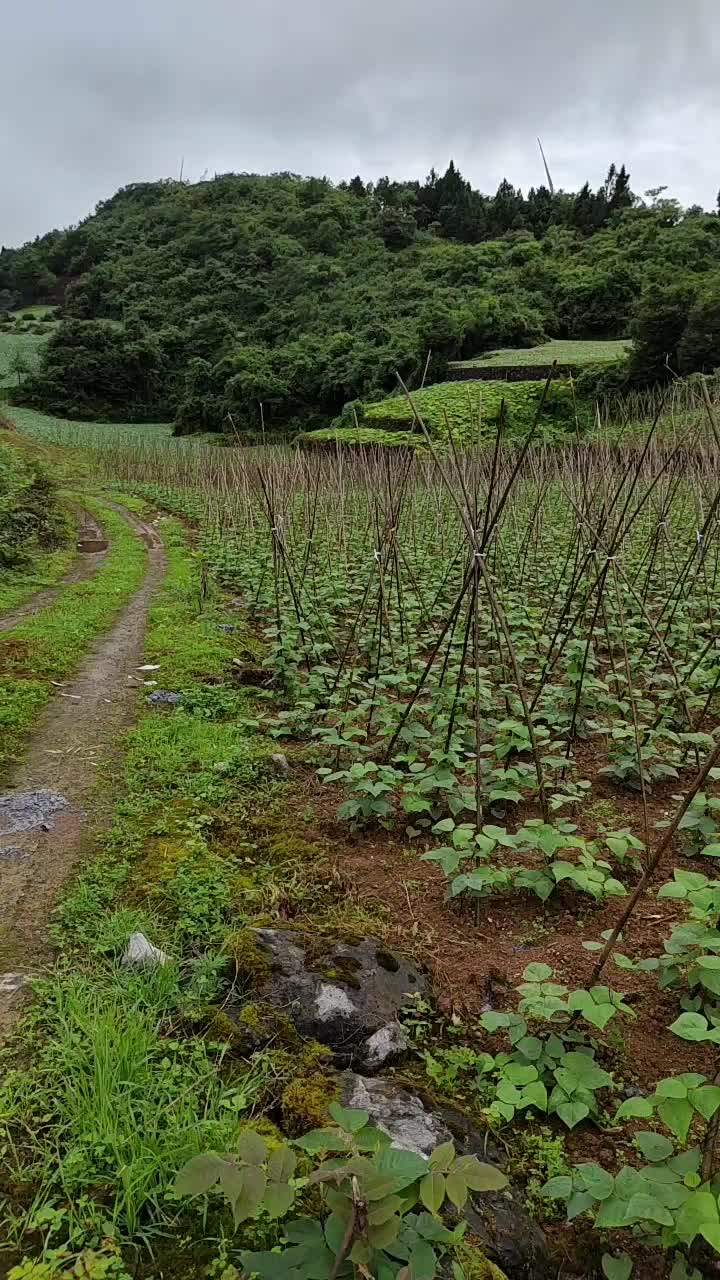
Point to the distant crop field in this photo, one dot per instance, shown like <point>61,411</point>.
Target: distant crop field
<point>90,435</point>
<point>29,345</point>
<point>565,352</point>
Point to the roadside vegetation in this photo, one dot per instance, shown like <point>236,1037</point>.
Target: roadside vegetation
<point>35,530</point>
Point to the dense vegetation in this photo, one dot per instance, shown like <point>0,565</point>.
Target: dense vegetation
<point>205,302</point>
<point>30,517</point>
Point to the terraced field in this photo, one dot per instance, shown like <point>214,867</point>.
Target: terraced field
<point>565,351</point>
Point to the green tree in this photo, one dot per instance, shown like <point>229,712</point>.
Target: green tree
<point>699,349</point>
<point>657,329</point>
<point>97,368</point>
<point>19,365</point>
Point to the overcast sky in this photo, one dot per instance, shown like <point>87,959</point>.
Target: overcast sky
<point>99,93</point>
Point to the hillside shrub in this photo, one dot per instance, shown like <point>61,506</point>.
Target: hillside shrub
<point>598,381</point>
<point>699,349</point>
<point>29,514</point>
<point>299,295</point>
<point>657,330</point>
<point>100,370</point>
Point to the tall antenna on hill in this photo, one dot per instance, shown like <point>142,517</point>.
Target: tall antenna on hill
<point>551,184</point>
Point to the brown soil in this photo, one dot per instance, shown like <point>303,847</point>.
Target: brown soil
<point>78,731</point>
<point>83,567</point>
<point>475,965</point>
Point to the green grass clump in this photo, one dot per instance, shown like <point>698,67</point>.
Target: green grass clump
<point>125,1106</point>
<point>473,408</point>
<point>41,570</point>
<point>51,644</point>
<point>565,351</point>
<point>180,769</point>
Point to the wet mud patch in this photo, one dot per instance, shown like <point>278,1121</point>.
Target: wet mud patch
<point>30,810</point>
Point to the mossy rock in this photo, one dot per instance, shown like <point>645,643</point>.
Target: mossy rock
<point>248,958</point>
<point>251,1027</point>
<point>475,1264</point>
<point>262,1023</point>
<point>305,1102</point>
<point>346,994</point>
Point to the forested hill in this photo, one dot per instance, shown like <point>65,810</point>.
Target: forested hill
<point>202,301</point>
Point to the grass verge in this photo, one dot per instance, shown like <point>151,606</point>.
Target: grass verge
<point>49,645</point>
<point>45,569</point>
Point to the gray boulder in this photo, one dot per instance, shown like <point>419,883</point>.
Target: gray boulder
<point>345,995</point>
<point>507,1233</point>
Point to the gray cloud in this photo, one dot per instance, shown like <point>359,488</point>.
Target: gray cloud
<point>98,94</point>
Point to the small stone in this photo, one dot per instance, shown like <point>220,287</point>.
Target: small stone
<point>332,1002</point>
<point>632,1091</point>
<point>280,764</point>
<point>388,1042</point>
<point>140,953</point>
<point>400,1114</point>
<point>13,853</point>
<point>227,627</point>
<point>11,985</point>
<point>163,698</point>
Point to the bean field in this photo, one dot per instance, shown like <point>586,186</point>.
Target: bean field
<point>495,675</point>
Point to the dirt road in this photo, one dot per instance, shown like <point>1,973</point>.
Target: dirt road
<point>48,813</point>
